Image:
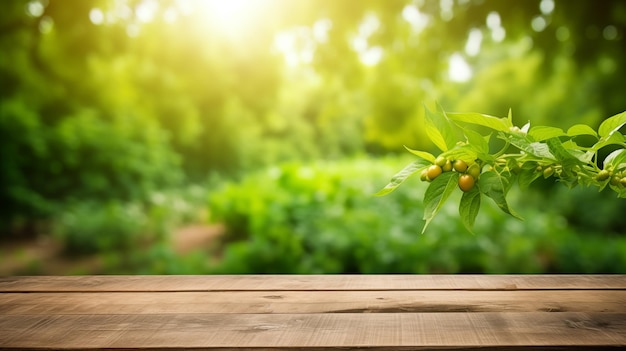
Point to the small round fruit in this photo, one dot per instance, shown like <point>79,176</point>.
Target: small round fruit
<point>623,181</point>
<point>460,166</point>
<point>548,171</point>
<point>603,175</point>
<point>474,171</point>
<point>424,175</point>
<point>433,172</point>
<point>440,161</point>
<point>466,182</point>
<point>447,167</point>
<point>615,180</point>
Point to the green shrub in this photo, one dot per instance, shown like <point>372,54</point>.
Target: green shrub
<point>84,156</point>
<point>322,218</point>
<point>89,228</point>
<point>127,228</point>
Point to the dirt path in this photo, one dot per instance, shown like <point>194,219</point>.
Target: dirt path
<point>192,237</point>
<point>43,256</point>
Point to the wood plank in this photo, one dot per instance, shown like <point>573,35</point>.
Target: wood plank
<point>310,282</point>
<point>391,330</point>
<point>313,302</point>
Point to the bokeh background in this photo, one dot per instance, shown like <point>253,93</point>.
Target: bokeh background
<point>248,136</point>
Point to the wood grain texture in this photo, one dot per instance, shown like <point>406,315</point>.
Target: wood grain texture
<point>313,330</point>
<point>310,282</point>
<point>377,312</point>
<point>312,302</point>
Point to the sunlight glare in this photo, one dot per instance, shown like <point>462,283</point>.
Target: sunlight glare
<point>498,33</point>
<point>446,9</point>
<point>371,56</point>
<point>538,24</point>
<point>493,20</point>
<point>459,70</point>
<point>297,45</point>
<point>231,16</point>
<point>546,6</point>
<point>35,8</point>
<point>321,29</point>
<point>96,16</point>
<point>418,21</point>
<point>146,11</point>
<point>475,38</point>
<point>170,15</point>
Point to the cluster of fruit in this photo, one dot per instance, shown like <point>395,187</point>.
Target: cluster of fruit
<point>467,179</point>
<point>616,178</point>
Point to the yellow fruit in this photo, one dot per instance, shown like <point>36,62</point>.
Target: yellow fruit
<point>474,171</point>
<point>433,172</point>
<point>440,161</point>
<point>460,166</point>
<point>466,182</point>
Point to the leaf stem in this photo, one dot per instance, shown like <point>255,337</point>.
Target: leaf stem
<point>503,150</point>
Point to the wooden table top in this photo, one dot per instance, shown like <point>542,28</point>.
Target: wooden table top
<point>395,312</point>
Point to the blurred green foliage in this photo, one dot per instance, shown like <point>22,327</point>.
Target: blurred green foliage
<point>321,218</point>
<point>106,105</point>
<point>132,236</point>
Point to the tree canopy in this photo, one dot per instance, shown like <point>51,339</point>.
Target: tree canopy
<point>114,99</point>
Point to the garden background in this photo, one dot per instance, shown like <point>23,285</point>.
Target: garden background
<point>248,136</point>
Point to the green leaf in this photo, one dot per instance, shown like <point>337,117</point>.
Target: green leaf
<point>572,145</point>
<point>477,141</point>
<point>495,187</point>
<point>439,130</point>
<point>499,124</point>
<point>536,148</point>
<point>587,157</point>
<point>398,178</point>
<point>581,129</point>
<point>615,159</point>
<point>579,151</point>
<point>528,174</point>
<point>582,156</point>
<point>469,207</point>
<point>422,154</point>
<point>612,124</point>
<point>437,193</point>
<point>559,151</point>
<point>465,153</point>
<point>540,149</point>
<point>613,139</point>
<point>540,133</point>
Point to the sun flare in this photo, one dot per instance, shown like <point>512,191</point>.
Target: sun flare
<point>232,16</point>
